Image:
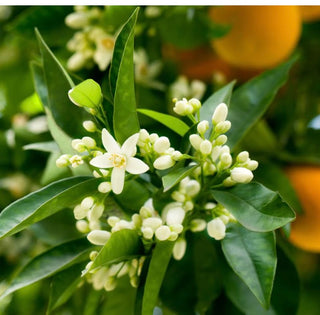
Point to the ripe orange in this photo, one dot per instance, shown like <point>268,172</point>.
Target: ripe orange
<point>305,230</point>
<point>260,36</point>
<point>310,13</point>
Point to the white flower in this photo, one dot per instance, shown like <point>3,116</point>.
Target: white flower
<point>179,249</point>
<point>120,159</point>
<point>220,114</point>
<point>98,237</point>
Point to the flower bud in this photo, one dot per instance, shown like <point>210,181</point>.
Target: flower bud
<point>110,284</point>
<point>134,281</point>
<point>78,145</point>
<point>175,216</point>
<point>82,226</point>
<point>202,127</point>
<point>243,157</point>
<point>225,219</point>
<point>216,229</point>
<point>188,206</point>
<point>143,135</point>
<point>205,147</point>
<point>145,212</point>
<point>180,107</point>
<point>89,142</point>
<point>220,113</point>
<point>178,196</point>
<point>252,165</point>
<point>221,140</point>
<point>198,225</point>
<point>179,249</point>
<point>147,233</point>
<point>210,205</point>
<point>215,153</point>
<point>136,219</point>
<point>93,255</point>
<point>77,20</point>
<point>161,145</point>
<point>94,225</point>
<point>79,212</point>
<point>76,61</point>
<point>113,220</point>
<point>152,223</point>
<point>192,188</point>
<point>76,160</point>
<point>163,162</point>
<point>228,182</point>
<point>226,160</point>
<point>87,203</point>
<point>176,228</point>
<point>195,103</point>
<point>89,125</point>
<point>96,212</point>
<point>222,127</point>
<point>195,141</point>
<point>104,187</point>
<point>241,175</point>
<point>98,237</point>
<point>99,278</point>
<point>153,137</point>
<point>63,160</point>
<point>163,233</point>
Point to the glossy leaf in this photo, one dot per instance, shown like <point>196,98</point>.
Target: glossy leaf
<point>63,284</point>
<point>285,293</point>
<point>45,202</point>
<point>255,206</point>
<point>173,123</point>
<point>50,262</point>
<point>158,265</point>
<point>223,95</point>
<point>58,83</point>
<point>121,300</point>
<point>273,177</point>
<point>251,100</point>
<point>122,245</point>
<point>175,176</point>
<point>49,146</point>
<point>207,270</point>
<point>252,256</point>
<point>125,118</point>
<point>86,94</point>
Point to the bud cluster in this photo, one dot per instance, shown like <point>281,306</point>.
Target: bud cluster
<point>186,107</point>
<point>157,150</point>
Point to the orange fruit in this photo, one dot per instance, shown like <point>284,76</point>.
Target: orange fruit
<point>310,13</point>
<point>305,230</point>
<point>260,36</point>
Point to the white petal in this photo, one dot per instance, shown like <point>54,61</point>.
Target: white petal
<point>117,180</point>
<point>102,161</point>
<point>136,166</point>
<point>109,142</point>
<point>129,146</point>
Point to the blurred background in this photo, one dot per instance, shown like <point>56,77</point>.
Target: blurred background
<point>179,52</point>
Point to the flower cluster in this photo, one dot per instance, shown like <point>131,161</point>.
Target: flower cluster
<point>91,44</point>
<point>188,207</point>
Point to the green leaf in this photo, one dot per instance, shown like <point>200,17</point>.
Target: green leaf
<point>252,256</point>
<point>58,83</point>
<point>158,265</point>
<point>45,202</point>
<point>274,178</point>
<point>223,95</point>
<point>121,300</point>
<point>92,302</point>
<point>173,123</point>
<point>61,138</point>
<point>50,262</point>
<point>125,118</point>
<point>184,27</point>
<point>252,99</point>
<point>48,146</point>
<point>122,245</point>
<point>63,284</point>
<point>207,270</point>
<point>175,176</point>
<point>285,293</point>
<point>86,94</point>
<point>255,206</point>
